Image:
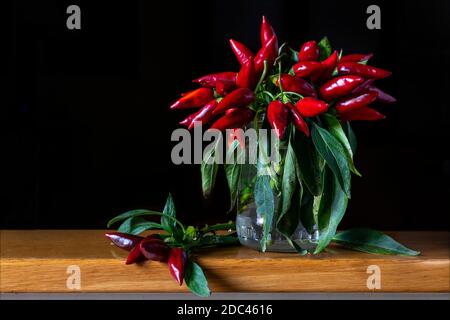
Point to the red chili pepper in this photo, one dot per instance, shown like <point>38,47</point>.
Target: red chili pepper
<point>177,262</point>
<point>235,134</point>
<point>268,52</point>
<point>356,57</point>
<point>295,84</point>
<point>277,115</point>
<point>362,70</point>
<point>363,87</point>
<point>241,52</point>
<point>339,87</point>
<point>383,97</point>
<point>306,69</point>
<point>309,51</point>
<point>356,101</point>
<point>362,114</point>
<point>123,240</point>
<point>246,77</point>
<point>154,249</point>
<point>328,66</point>
<point>234,118</point>
<point>238,98</point>
<point>135,256</point>
<point>225,87</point>
<point>297,120</point>
<point>204,115</point>
<point>310,107</point>
<point>267,32</point>
<point>210,80</point>
<point>194,99</point>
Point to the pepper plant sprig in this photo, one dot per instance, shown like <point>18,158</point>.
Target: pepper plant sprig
<point>174,243</point>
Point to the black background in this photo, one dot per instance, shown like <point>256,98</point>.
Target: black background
<point>87,128</point>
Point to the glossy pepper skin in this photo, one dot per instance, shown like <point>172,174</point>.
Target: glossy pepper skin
<point>193,99</point>
<point>268,52</point>
<point>154,249</point>
<point>241,52</point>
<point>363,87</point>
<point>177,263</point>
<point>361,114</point>
<point>305,69</point>
<point>238,98</point>
<point>277,115</point>
<point>297,85</point>
<point>246,78</point>
<point>225,87</point>
<point>328,66</point>
<point>310,107</point>
<point>356,57</point>
<point>339,87</point>
<point>210,80</point>
<point>267,32</point>
<point>123,240</point>
<point>362,70</point>
<point>356,101</point>
<point>309,52</point>
<point>234,118</point>
<point>382,96</point>
<point>204,115</point>
<point>297,120</point>
<point>135,256</point>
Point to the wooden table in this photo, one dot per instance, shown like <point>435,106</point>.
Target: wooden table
<point>39,261</point>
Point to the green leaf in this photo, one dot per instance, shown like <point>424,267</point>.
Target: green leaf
<point>307,212</point>
<point>233,173</point>
<point>169,210</point>
<point>335,128</point>
<point>195,279</point>
<point>132,213</point>
<point>333,204</point>
<point>209,169</point>
<point>351,137</point>
<point>372,241</point>
<point>137,225</point>
<point>324,48</point>
<point>264,200</point>
<point>334,154</point>
<point>308,164</point>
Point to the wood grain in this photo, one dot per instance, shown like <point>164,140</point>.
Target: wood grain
<point>37,261</point>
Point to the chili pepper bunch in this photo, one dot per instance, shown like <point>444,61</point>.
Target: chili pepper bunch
<point>174,245</point>
<point>289,86</point>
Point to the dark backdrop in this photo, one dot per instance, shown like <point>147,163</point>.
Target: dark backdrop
<point>87,130</point>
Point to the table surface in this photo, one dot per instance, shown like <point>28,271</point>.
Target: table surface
<point>40,261</point>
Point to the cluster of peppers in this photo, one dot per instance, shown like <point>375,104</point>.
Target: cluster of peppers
<point>311,84</point>
<point>153,248</point>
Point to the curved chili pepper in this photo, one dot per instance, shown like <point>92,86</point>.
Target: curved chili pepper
<point>210,80</point>
<point>297,120</point>
<point>297,85</point>
<point>154,249</point>
<point>203,115</point>
<point>241,52</point>
<point>363,87</point>
<point>328,66</point>
<point>277,115</point>
<point>382,97</point>
<point>177,263</point>
<point>310,107</point>
<point>238,98</point>
<point>362,70</point>
<point>339,86</point>
<point>267,32</point>
<point>356,101</point>
<point>193,99</point>
<point>305,69</point>
<point>268,52</point>
<point>246,78</point>
<point>309,51</point>
<point>234,118</point>
<point>362,114</point>
<point>123,240</point>
<point>135,256</point>
<point>356,57</point>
